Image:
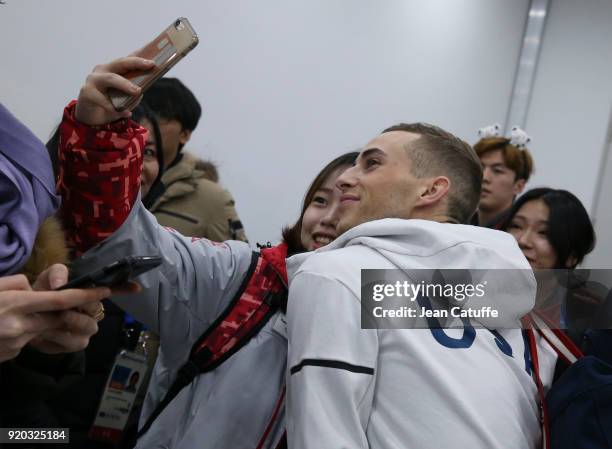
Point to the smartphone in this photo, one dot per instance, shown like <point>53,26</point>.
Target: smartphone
<point>115,273</point>
<point>166,50</point>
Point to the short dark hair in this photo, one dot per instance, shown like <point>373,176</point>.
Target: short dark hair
<point>570,231</point>
<point>440,153</point>
<point>292,234</point>
<point>170,99</point>
<point>517,159</point>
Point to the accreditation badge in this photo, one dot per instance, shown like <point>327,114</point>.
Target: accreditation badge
<point>122,386</point>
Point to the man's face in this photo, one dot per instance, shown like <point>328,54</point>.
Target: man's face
<point>173,135</point>
<point>380,185</point>
<point>499,184</point>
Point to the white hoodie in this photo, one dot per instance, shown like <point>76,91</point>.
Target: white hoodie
<point>402,388</point>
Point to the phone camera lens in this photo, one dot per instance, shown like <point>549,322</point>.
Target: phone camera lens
<point>179,25</point>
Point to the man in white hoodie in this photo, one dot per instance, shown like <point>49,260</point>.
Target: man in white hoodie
<point>349,387</point>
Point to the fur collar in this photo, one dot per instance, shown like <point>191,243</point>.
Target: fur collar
<point>49,248</point>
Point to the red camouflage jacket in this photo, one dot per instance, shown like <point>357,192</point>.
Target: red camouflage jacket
<point>99,176</point>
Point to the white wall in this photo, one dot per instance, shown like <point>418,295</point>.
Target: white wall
<point>571,100</point>
<point>572,95</point>
<point>285,86</point>
<point>601,257</point>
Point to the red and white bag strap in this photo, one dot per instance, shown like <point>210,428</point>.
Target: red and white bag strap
<point>538,380</point>
<point>563,346</point>
<point>561,343</point>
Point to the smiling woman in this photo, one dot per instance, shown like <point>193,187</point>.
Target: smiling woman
<point>319,220</point>
<point>554,232</point>
<point>552,228</point>
<point>316,226</point>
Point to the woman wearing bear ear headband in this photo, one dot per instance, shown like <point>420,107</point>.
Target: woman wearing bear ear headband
<point>507,166</point>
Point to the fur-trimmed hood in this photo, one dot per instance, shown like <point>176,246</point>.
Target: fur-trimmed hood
<point>209,168</point>
<point>49,248</point>
<point>184,177</point>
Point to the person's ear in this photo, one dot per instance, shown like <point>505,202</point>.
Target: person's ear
<point>434,191</point>
<point>519,186</point>
<point>184,136</point>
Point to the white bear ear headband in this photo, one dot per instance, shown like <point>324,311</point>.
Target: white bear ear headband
<point>518,137</point>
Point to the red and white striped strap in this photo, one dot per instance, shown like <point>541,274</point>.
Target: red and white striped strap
<point>538,381</point>
<point>561,343</point>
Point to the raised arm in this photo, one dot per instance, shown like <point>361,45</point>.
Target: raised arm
<point>100,165</point>
<point>100,156</point>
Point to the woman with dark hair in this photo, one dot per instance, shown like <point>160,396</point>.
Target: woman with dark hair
<point>303,235</point>
<point>151,186</point>
<point>554,231</point>
<point>552,228</point>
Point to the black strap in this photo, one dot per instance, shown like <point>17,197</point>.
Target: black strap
<point>184,377</point>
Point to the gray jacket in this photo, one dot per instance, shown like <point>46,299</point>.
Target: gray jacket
<point>231,406</point>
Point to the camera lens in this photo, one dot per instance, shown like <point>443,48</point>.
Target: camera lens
<point>179,25</point>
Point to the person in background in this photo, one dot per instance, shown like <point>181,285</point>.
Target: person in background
<point>152,186</point>
<point>507,165</point>
<point>554,231</point>
<point>552,228</point>
<point>193,202</point>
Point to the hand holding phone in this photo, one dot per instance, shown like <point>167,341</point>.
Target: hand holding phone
<point>115,273</point>
<point>113,89</point>
<point>166,50</point>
